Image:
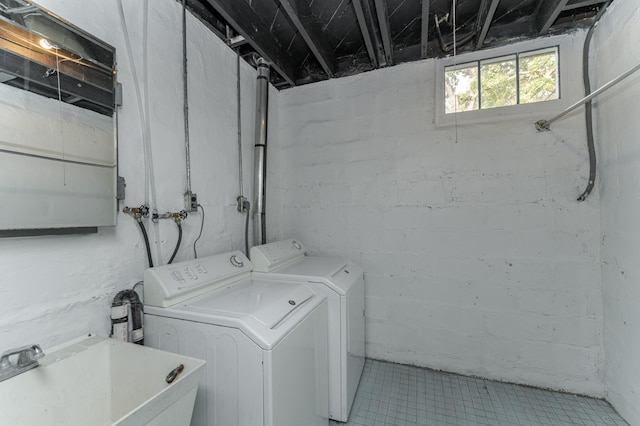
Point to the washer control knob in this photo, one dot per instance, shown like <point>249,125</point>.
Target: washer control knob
<point>296,245</point>
<point>236,261</point>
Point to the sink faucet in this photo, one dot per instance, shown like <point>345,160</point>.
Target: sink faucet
<point>17,361</point>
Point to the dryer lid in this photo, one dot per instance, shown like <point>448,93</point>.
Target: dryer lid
<point>267,302</point>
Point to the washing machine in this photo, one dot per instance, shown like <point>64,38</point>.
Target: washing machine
<point>264,340</point>
<point>343,283</point>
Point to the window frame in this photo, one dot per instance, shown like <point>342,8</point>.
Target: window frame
<point>562,44</point>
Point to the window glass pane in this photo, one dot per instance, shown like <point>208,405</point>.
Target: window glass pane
<point>498,85</point>
<point>461,88</point>
<point>538,77</point>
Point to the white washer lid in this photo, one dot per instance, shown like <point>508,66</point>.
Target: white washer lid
<point>260,308</point>
<point>266,302</point>
<point>336,273</point>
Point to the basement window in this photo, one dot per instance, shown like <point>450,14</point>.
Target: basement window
<point>520,78</point>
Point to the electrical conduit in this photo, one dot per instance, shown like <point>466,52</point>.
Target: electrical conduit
<point>588,108</point>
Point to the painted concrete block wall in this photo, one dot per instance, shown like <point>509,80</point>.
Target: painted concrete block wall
<point>614,51</point>
<point>478,257</point>
<point>57,288</point>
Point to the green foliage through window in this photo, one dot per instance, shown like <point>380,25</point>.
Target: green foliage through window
<point>509,80</point>
<point>538,78</point>
<point>461,85</point>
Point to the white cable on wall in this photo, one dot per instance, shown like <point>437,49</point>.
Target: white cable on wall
<point>152,181</point>
<point>143,107</point>
<point>455,51</point>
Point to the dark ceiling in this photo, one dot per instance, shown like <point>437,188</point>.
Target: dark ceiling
<point>313,40</point>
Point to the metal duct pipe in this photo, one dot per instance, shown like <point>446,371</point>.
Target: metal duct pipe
<point>260,152</point>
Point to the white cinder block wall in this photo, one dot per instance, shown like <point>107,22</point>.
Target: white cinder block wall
<point>614,51</point>
<point>57,288</point>
<point>478,257</point>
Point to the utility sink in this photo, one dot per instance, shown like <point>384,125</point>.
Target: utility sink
<point>100,381</point>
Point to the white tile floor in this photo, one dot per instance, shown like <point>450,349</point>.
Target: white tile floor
<point>400,395</point>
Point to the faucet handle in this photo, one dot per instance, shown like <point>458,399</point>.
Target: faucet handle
<point>26,355</point>
<point>30,355</point>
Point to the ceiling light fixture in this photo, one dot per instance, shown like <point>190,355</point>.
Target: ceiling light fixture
<point>46,44</point>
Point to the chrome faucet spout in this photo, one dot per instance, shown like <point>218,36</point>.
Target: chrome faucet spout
<point>18,360</point>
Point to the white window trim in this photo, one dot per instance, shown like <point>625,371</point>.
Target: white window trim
<point>569,63</point>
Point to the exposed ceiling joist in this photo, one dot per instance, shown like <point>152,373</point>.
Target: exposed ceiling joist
<point>385,33</point>
<point>312,40</point>
<point>317,44</point>
<point>485,17</point>
<point>366,34</point>
<point>576,4</point>
<point>546,14</point>
<point>242,17</point>
<point>424,29</point>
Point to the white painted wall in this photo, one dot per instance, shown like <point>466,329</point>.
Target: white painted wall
<point>614,51</point>
<point>478,257</point>
<point>56,288</point>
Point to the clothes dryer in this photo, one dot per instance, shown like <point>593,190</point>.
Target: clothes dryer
<point>343,283</point>
<point>264,340</point>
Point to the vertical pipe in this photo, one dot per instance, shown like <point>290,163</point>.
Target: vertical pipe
<point>260,152</point>
<point>185,91</point>
<point>239,102</point>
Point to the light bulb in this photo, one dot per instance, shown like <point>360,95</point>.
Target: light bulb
<point>45,44</point>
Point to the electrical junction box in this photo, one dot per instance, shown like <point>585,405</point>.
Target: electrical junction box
<point>190,201</point>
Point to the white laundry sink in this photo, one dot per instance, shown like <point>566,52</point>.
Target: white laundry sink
<point>100,381</point>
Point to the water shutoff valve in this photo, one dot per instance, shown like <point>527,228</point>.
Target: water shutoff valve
<point>137,212</point>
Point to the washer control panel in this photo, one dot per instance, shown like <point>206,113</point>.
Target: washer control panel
<point>269,257</point>
<point>169,284</point>
<point>189,273</point>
